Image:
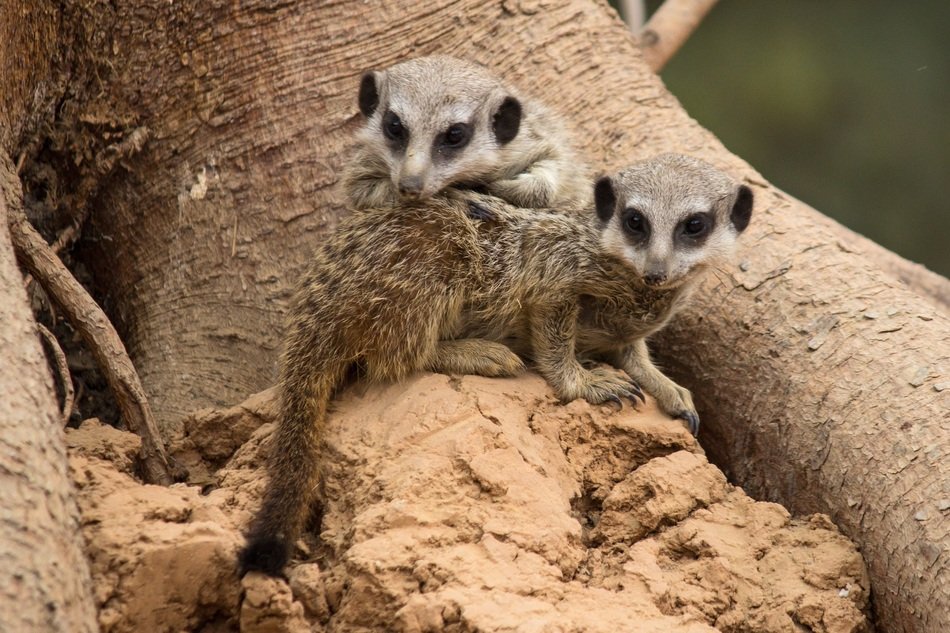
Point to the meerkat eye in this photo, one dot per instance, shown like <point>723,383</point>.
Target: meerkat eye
<point>635,223</point>
<point>695,226</point>
<point>393,127</point>
<point>456,136</point>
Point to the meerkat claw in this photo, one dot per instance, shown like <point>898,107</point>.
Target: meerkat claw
<point>692,421</point>
<point>637,392</point>
<point>478,212</point>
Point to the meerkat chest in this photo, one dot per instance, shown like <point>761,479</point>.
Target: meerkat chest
<point>605,323</point>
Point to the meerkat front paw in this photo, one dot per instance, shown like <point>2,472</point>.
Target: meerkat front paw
<point>600,385</point>
<point>677,402</point>
<point>525,189</point>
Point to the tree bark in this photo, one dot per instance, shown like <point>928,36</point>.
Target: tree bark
<point>823,385</point>
<point>29,31</point>
<point>816,372</point>
<point>669,27</point>
<point>45,584</point>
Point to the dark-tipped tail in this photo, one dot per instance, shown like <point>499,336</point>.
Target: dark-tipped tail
<point>294,461</point>
<point>266,554</point>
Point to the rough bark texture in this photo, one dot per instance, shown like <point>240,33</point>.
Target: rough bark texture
<point>818,375</point>
<point>45,584</point>
<point>915,277</point>
<point>825,385</point>
<point>29,31</point>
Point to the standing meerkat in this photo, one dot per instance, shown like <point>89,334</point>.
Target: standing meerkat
<point>434,122</point>
<point>422,286</point>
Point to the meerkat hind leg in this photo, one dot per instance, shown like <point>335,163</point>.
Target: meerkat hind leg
<point>475,356</point>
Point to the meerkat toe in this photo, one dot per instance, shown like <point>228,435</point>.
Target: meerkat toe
<point>691,419</point>
<point>637,393</point>
<point>498,362</point>
<point>510,364</point>
<point>602,385</point>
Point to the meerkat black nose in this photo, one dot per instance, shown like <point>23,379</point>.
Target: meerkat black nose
<point>411,185</point>
<point>654,279</point>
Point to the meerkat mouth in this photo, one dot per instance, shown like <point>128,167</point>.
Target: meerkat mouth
<point>665,284</point>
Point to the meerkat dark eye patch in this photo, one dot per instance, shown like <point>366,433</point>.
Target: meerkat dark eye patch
<point>695,229</point>
<point>742,209</point>
<point>369,95</point>
<point>605,200</point>
<point>635,225</point>
<point>507,120</point>
<point>394,130</point>
<point>455,137</point>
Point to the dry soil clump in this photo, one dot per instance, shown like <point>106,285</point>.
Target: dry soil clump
<point>462,504</point>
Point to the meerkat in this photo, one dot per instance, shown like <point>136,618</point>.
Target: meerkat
<point>421,286</point>
<point>436,122</point>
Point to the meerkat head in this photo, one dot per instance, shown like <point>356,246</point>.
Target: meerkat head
<point>671,216</point>
<point>437,121</point>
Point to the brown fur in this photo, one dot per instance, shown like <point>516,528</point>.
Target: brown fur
<point>421,286</point>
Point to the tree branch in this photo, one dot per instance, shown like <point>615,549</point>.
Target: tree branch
<point>669,28</point>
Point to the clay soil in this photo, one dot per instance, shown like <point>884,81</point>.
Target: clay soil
<point>461,504</point>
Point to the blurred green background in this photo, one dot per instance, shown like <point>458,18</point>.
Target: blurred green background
<point>843,104</point>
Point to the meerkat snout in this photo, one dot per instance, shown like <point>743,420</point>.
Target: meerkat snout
<point>671,216</point>
<point>411,175</point>
<point>654,279</point>
<point>410,186</point>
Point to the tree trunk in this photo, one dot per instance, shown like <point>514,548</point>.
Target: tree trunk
<point>31,31</point>
<point>822,383</point>
<point>45,584</point>
<point>816,372</point>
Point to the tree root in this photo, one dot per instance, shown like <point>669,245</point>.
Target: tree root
<point>99,336</point>
<point>668,29</point>
<point>62,368</point>
<point>81,310</point>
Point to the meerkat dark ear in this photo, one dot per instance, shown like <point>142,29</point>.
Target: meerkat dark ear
<point>605,199</point>
<point>507,120</point>
<point>369,94</point>
<point>742,209</point>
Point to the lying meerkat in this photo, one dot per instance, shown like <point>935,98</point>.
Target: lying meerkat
<point>435,122</point>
